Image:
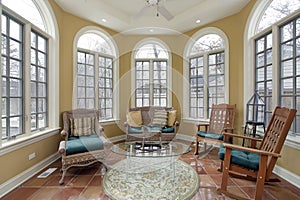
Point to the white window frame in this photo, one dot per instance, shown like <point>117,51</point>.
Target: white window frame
<point>186,68</point>
<point>102,33</point>
<point>169,67</point>
<point>249,70</point>
<point>52,33</point>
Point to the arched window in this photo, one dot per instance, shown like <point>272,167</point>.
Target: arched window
<point>96,72</point>
<point>273,29</point>
<point>151,74</point>
<point>26,100</point>
<point>207,58</point>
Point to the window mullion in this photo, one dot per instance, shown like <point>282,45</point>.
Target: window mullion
<point>205,85</point>
<point>96,79</point>
<point>151,75</point>
<point>275,64</point>
<point>27,63</point>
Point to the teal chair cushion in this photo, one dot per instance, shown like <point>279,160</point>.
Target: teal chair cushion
<point>210,135</point>
<point>241,158</point>
<point>83,144</point>
<point>167,130</point>
<point>135,130</point>
<point>151,128</point>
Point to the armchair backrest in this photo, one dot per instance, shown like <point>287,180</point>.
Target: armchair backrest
<point>69,116</point>
<point>222,116</point>
<point>276,133</point>
<point>148,112</point>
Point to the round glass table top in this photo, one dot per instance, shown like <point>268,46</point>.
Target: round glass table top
<point>138,149</point>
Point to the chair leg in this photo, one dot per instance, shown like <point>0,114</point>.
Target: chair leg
<point>61,181</point>
<point>197,146</point>
<point>225,170</point>
<point>261,176</point>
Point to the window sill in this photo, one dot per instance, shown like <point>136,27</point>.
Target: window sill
<point>109,122</point>
<point>195,121</point>
<point>18,143</point>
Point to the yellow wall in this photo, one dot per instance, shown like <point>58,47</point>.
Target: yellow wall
<point>15,162</point>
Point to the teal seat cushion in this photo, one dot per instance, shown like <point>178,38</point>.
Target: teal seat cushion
<point>83,144</point>
<point>135,130</point>
<point>210,135</point>
<point>151,128</point>
<point>167,130</point>
<point>241,158</point>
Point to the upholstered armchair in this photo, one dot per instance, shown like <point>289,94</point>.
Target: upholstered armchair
<point>83,142</point>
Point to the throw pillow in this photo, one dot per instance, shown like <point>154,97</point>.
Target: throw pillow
<point>171,117</point>
<point>160,118</point>
<point>134,118</point>
<point>84,126</point>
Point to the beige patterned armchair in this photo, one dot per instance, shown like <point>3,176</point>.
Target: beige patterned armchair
<point>84,143</point>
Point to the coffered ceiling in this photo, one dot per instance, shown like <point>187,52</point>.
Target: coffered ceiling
<point>152,16</point>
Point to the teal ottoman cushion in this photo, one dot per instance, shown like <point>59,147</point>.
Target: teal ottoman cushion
<point>241,158</point>
<point>83,144</point>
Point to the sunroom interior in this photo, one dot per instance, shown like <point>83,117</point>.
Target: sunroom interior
<point>54,59</point>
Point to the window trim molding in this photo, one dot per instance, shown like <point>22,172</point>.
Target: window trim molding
<point>108,38</point>
<point>52,32</point>
<point>186,57</point>
<point>169,68</point>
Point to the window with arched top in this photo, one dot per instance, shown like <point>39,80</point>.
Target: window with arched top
<point>96,73</point>
<point>274,32</point>
<point>206,56</point>
<point>151,74</point>
<point>28,67</point>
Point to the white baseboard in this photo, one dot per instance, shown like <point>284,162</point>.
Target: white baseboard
<point>287,175</point>
<point>17,180</point>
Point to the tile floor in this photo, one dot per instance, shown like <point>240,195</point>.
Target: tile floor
<point>85,183</point>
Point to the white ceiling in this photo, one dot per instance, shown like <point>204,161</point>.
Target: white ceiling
<point>121,15</point>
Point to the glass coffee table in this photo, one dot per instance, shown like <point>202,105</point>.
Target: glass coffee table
<point>142,158</point>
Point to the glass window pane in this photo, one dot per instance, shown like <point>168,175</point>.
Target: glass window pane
<point>287,50</point>
<point>287,68</point>
<point>287,32</point>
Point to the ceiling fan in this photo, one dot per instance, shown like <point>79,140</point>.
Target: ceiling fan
<point>160,9</point>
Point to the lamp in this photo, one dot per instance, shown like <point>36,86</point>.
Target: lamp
<point>255,110</point>
<point>255,115</point>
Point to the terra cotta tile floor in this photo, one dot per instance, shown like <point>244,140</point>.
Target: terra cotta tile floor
<point>85,183</point>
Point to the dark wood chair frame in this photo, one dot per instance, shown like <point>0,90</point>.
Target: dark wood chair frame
<point>269,151</point>
<point>221,120</point>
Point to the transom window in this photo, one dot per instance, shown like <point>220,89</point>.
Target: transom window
<point>286,91</point>
<point>151,75</point>
<point>206,75</point>
<point>95,74</point>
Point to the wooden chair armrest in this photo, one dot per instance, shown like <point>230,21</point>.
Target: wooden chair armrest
<point>257,151</point>
<point>201,125</point>
<point>226,130</point>
<point>126,124</point>
<point>101,129</point>
<point>242,136</point>
<point>64,133</point>
<point>62,147</point>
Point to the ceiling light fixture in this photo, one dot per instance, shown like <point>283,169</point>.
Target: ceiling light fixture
<point>198,21</point>
<point>104,20</point>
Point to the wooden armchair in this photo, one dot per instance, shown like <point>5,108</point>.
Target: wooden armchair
<point>221,120</point>
<point>257,163</point>
<point>83,143</point>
